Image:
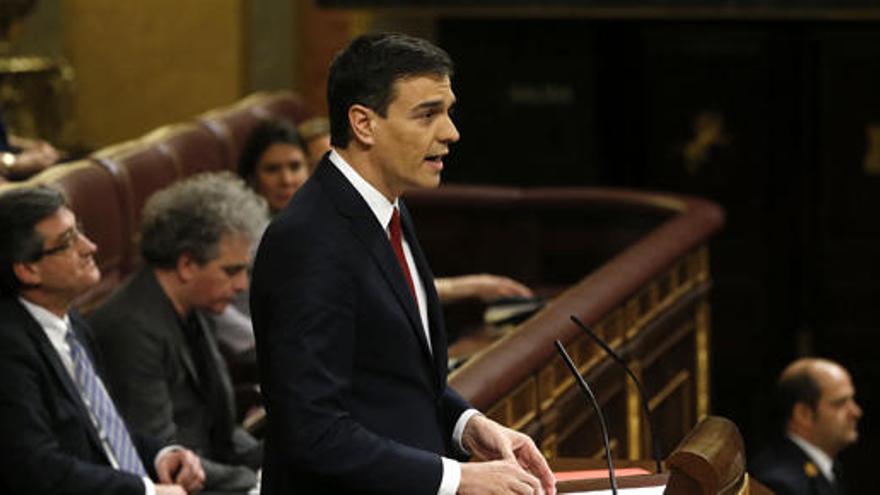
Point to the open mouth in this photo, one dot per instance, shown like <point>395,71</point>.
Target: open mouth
<point>435,161</point>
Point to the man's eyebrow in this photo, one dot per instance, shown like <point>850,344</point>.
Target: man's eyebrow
<point>432,104</point>
<point>65,235</point>
<point>839,398</point>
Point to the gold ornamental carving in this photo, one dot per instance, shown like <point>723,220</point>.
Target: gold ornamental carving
<point>708,134</point>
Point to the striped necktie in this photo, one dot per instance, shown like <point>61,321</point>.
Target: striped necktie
<point>110,425</point>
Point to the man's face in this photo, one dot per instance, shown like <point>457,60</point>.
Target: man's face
<point>836,418</point>
<point>214,285</point>
<point>414,137</point>
<point>67,267</point>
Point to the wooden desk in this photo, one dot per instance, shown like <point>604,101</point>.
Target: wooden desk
<point>577,464</point>
<point>562,464</point>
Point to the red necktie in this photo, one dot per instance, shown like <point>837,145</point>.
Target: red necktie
<point>397,246</point>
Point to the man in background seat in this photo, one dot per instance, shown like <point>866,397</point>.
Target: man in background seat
<point>820,418</point>
<point>162,354</point>
<point>60,428</point>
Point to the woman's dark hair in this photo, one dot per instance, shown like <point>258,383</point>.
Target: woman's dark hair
<point>260,139</point>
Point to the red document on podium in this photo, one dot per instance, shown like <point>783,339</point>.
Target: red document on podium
<point>592,474</point>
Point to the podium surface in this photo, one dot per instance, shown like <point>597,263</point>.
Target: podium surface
<point>576,464</point>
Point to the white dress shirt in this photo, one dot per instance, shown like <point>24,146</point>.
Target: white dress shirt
<point>383,209</point>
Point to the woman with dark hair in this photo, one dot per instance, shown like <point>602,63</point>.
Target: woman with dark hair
<point>273,162</point>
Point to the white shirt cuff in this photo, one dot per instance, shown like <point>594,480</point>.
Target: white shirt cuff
<point>459,429</point>
<point>451,477</point>
<point>149,487</point>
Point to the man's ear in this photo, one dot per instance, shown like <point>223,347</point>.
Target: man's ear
<point>28,273</point>
<point>361,120</point>
<point>186,267</point>
<point>803,414</point>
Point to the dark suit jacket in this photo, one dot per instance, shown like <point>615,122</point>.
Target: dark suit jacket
<point>781,466</point>
<point>158,388</point>
<point>49,444</point>
<point>356,403</point>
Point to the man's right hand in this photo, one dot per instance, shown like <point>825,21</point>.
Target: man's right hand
<point>497,477</point>
<point>169,490</point>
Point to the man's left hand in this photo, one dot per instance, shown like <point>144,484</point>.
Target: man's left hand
<point>488,440</point>
<point>181,467</point>
<point>484,287</point>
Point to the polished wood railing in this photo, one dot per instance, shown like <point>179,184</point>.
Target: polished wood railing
<point>638,272</point>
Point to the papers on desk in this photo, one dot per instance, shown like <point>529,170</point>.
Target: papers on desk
<point>622,474</point>
<point>512,310</point>
<point>650,490</point>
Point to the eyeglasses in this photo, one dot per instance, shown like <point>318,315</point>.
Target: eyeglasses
<point>67,240</point>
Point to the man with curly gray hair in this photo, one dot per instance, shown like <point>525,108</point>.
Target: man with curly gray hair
<point>163,359</point>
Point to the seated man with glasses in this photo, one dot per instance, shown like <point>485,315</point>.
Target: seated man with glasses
<point>60,427</point>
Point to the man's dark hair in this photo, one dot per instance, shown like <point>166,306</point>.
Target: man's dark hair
<point>260,139</point>
<point>20,211</point>
<point>800,386</point>
<point>364,73</point>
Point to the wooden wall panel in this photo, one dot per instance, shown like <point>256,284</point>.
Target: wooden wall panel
<point>142,64</point>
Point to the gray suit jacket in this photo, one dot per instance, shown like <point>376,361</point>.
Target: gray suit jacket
<point>158,387</point>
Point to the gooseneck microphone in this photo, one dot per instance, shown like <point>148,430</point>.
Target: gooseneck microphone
<point>644,397</point>
<point>589,393</point>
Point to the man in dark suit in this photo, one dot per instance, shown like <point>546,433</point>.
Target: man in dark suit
<point>162,355</point>
<point>60,429</point>
<point>820,416</point>
<point>350,336</point>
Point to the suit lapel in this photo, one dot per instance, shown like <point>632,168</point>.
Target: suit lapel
<point>368,231</point>
<point>50,355</point>
<point>183,353</point>
<point>167,318</point>
<point>819,484</point>
<point>217,366</point>
<point>435,312</point>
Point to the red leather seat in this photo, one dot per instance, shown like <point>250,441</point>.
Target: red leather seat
<point>193,148</point>
<point>140,169</point>
<point>233,124</point>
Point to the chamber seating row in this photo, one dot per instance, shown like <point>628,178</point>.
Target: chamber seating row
<point>635,265</point>
<point>108,189</point>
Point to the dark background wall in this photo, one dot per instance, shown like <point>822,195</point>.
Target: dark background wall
<point>777,120</point>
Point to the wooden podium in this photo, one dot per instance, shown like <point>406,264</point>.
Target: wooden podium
<point>710,460</point>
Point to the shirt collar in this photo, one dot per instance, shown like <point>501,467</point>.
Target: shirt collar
<point>823,461</point>
<point>53,325</point>
<point>380,206</point>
